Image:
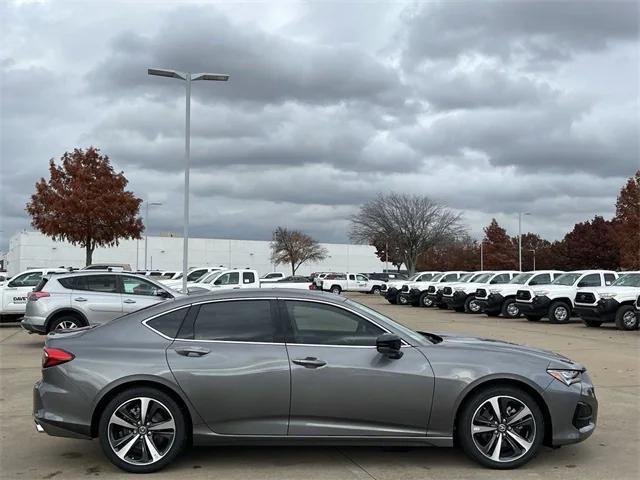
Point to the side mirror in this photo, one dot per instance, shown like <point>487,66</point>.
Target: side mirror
<point>389,344</point>
<point>162,293</point>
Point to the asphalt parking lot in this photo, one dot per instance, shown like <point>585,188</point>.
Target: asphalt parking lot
<point>612,357</point>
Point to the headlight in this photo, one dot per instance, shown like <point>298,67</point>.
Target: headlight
<point>540,293</point>
<point>607,295</point>
<point>568,377</point>
<point>495,290</point>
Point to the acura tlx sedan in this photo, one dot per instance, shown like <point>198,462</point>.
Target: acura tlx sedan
<point>296,367</point>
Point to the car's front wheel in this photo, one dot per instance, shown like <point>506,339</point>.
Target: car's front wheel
<point>501,427</point>
<point>626,318</point>
<point>142,430</point>
<point>402,299</point>
<point>375,290</point>
<point>559,312</point>
<point>425,301</point>
<point>510,308</point>
<point>471,305</point>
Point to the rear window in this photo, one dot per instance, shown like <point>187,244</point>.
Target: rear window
<point>169,323</point>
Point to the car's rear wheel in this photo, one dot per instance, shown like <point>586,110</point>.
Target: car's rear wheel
<point>626,318</point>
<point>336,289</point>
<point>65,322</point>
<point>142,430</point>
<point>510,308</point>
<point>592,323</point>
<point>559,312</point>
<point>501,427</point>
<point>471,305</point>
<point>425,301</point>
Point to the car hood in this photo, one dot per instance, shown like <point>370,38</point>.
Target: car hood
<point>396,283</point>
<point>469,343</point>
<point>555,289</point>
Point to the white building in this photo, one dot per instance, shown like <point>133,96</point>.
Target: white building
<point>32,249</point>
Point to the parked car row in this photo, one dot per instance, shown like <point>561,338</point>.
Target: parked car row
<point>596,296</point>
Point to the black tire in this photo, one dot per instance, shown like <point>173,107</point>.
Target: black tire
<point>402,299</point>
<point>533,318</point>
<point>475,402</point>
<point>559,312</point>
<point>425,301</point>
<point>336,289</point>
<point>508,308</point>
<point>65,321</point>
<point>179,442</point>
<point>627,318</point>
<point>592,323</point>
<point>375,290</point>
<point>471,306</point>
<point>492,314</point>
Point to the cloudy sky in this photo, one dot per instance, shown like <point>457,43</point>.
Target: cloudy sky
<point>490,107</point>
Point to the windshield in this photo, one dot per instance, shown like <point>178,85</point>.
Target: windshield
<point>467,277</point>
<point>210,277</point>
<point>413,277</point>
<point>378,316</point>
<point>196,275</point>
<point>567,279</point>
<point>482,278</point>
<point>627,280</point>
<point>437,277</point>
<point>521,278</point>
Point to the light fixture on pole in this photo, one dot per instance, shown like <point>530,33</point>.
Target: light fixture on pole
<point>146,229</point>
<point>188,78</point>
<point>520,238</point>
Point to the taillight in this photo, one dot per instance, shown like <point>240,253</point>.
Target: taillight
<point>55,356</point>
<point>34,296</point>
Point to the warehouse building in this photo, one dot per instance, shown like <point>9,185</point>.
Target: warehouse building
<point>32,250</point>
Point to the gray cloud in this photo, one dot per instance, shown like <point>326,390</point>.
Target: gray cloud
<point>491,107</point>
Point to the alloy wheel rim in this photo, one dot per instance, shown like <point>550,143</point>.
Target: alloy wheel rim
<point>629,319</point>
<point>503,429</point>
<point>561,313</point>
<point>402,300</point>
<point>427,302</point>
<point>513,310</point>
<point>474,306</point>
<point>66,325</point>
<point>141,431</point>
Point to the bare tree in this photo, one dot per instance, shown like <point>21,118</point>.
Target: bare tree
<point>295,248</point>
<point>414,223</point>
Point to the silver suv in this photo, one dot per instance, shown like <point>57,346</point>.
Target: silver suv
<point>78,299</point>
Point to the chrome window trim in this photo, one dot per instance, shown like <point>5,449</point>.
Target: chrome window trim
<point>145,323</point>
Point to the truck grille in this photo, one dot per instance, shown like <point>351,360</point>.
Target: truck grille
<point>431,289</point>
<point>447,290</point>
<point>405,288</point>
<point>481,292</point>
<point>585,297</point>
<point>523,295</point>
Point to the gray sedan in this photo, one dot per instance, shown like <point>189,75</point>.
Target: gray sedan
<point>299,367</point>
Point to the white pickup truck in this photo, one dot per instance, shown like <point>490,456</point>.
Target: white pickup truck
<point>14,292</point>
<point>350,282</point>
<point>615,303</point>
<point>244,278</point>
<point>556,300</point>
<point>394,292</point>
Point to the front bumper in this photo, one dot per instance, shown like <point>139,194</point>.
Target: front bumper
<point>34,325</point>
<point>573,410</point>
<point>603,311</point>
<point>539,305</point>
<point>390,294</point>
<point>456,300</point>
<point>492,303</point>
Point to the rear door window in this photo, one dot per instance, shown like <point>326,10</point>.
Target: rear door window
<point>96,283</point>
<point>248,277</point>
<point>169,323</point>
<point>609,278</point>
<point>239,321</point>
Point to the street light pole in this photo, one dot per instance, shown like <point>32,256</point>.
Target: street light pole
<point>188,78</point>
<point>146,230</point>
<point>520,239</point>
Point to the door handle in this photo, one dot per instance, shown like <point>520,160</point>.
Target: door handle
<point>80,299</point>
<point>309,362</point>
<point>192,351</point>
<point>128,300</point>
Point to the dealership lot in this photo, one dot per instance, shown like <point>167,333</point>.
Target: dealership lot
<point>612,357</point>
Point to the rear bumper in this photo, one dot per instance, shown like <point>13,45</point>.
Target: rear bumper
<point>56,424</point>
<point>34,325</point>
<point>539,305</point>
